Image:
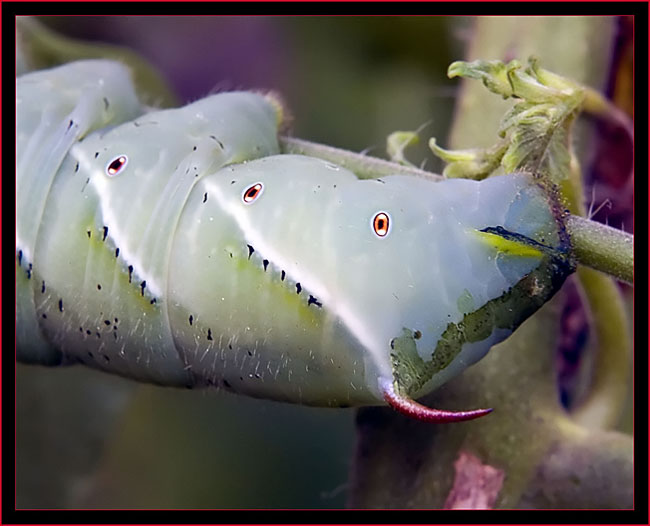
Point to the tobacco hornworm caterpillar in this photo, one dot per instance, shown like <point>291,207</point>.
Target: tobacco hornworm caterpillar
<point>179,247</point>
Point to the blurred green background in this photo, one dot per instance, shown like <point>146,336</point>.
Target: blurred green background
<point>347,81</point>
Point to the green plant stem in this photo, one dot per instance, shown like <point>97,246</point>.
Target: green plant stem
<point>363,166</point>
<point>599,246</point>
<point>612,349</point>
<point>595,245</point>
<point>602,247</point>
<point>597,105</point>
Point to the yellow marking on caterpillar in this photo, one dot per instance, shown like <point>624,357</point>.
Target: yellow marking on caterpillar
<point>508,246</point>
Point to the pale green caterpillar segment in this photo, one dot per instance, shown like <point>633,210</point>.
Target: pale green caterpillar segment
<point>256,314</point>
<point>54,109</point>
<point>165,153</point>
<point>99,272</point>
<point>302,290</point>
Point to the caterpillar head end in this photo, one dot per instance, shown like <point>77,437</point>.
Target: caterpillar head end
<point>413,409</point>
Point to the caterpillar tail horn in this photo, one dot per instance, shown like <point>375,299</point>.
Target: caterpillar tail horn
<point>413,409</point>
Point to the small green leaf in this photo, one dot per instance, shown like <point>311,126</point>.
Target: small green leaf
<point>469,164</point>
<point>397,142</point>
<point>493,74</point>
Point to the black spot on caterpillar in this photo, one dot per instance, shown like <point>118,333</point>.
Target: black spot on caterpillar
<point>314,301</point>
<point>218,141</point>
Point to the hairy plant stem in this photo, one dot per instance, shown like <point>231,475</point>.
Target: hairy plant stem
<point>602,247</point>
<point>595,245</point>
<point>363,166</point>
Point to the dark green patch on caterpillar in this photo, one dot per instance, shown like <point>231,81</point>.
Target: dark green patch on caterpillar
<point>505,312</point>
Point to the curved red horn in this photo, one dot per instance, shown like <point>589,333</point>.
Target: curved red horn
<point>410,407</point>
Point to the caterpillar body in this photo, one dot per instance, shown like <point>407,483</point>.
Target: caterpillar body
<point>180,247</point>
